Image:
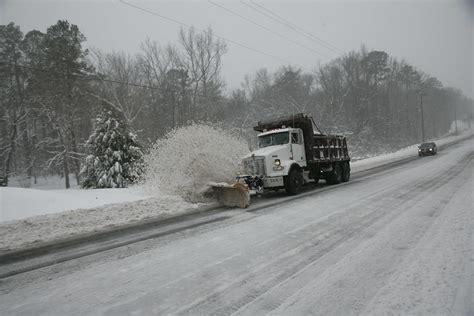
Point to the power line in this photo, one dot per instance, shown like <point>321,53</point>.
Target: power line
<point>266,28</point>
<point>97,78</point>
<point>278,18</point>
<point>301,30</point>
<point>203,31</point>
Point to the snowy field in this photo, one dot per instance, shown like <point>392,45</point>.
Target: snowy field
<point>20,203</point>
<point>30,216</point>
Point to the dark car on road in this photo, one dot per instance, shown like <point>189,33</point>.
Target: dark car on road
<point>427,149</point>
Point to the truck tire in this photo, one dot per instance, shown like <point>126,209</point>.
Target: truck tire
<point>346,172</point>
<point>316,180</point>
<point>335,177</point>
<point>293,182</point>
<point>315,175</point>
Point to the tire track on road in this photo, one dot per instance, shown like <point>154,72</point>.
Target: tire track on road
<point>267,277</point>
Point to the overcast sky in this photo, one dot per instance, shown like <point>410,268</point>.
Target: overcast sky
<point>435,36</point>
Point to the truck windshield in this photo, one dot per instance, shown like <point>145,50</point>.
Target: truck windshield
<point>273,139</point>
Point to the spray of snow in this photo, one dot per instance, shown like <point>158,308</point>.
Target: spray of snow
<point>188,158</point>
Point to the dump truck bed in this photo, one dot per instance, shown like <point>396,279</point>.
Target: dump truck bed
<point>328,148</point>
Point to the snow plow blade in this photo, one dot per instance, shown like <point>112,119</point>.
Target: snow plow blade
<point>236,194</point>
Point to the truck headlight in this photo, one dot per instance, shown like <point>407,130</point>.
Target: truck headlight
<point>277,165</point>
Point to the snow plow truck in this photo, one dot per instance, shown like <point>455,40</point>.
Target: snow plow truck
<point>291,152</point>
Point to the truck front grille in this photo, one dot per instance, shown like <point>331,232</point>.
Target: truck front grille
<point>254,166</point>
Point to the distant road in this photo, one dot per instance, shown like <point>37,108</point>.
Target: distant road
<point>397,241</point>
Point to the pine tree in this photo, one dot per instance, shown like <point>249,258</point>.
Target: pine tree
<point>115,157</point>
<point>57,89</point>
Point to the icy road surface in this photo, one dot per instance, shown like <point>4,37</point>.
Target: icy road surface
<point>400,241</point>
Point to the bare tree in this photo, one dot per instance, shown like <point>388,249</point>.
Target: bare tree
<point>202,58</point>
<point>121,88</point>
<point>164,70</point>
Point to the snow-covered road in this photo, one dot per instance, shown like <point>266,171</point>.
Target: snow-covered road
<point>399,241</point>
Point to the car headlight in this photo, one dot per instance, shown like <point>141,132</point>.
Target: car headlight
<point>277,162</point>
<point>431,149</point>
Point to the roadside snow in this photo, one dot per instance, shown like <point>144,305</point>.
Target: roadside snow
<point>47,228</point>
<point>407,152</point>
<point>19,203</point>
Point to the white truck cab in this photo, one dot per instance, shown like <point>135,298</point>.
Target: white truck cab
<point>278,151</point>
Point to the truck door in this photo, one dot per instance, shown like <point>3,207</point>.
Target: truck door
<point>297,145</point>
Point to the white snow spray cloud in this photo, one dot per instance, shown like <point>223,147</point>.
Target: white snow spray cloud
<point>187,158</point>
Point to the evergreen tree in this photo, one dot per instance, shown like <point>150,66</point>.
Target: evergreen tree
<point>115,158</point>
<point>13,111</point>
<point>56,89</point>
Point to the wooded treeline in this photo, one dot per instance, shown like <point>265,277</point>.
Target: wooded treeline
<point>52,90</point>
<point>374,99</point>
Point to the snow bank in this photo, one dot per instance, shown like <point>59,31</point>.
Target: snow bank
<point>18,203</point>
<point>409,151</point>
<point>181,164</point>
<point>189,157</point>
<point>46,228</point>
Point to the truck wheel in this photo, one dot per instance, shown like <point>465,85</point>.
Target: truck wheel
<point>335,177</point>
<point>293,182</point>
<point>315,175</point>
<point>346,172</point>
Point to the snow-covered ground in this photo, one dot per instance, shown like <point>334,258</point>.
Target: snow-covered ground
<point>29,216</point>
<point>394,243</point>
<point>49,227</point>
<point>20,203</point>
<point>43,182</point>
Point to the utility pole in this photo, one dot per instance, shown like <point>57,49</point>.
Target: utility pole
<point>455,117</point>
<point>422,118</point>
<point>469,119</point>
